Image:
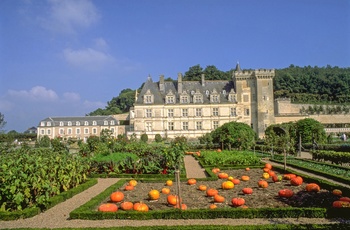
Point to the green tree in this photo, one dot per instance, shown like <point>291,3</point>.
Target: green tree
<point>310,130</point>
<point>144,137</point>
<point>194,73</point>
<point>234,135</point>
<point>212,73</point>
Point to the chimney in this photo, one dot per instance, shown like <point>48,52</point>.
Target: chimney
<point>179,83</point>
<point>161,83</point>
<point>203,80</point>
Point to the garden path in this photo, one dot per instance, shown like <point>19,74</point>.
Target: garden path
<point>193,168</point>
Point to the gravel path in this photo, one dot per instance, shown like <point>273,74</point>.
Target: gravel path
<point>57,217</point>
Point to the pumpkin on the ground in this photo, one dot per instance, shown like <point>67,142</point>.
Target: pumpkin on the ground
<point>269,166</point>
<point>126,205</point>
<point>212,192</point>
<point>340,204</point>
<point>165,190</point>
<point>245,178</point>
<point>213,206</point>
<point>289,176</point>
<point>108,207</point>
<point>265,175</point>
<point>345,198</point>
<point>285,193</point>
<point>129,187</point>
<point>215,170</point>
<point>235,181</point>
<point>227,185</point>
<point>223,175</point>
<point>337,192</point>
<point>263,184</point>
<point>202,187</point>
<point>237,201</point>
<point>219,199</point>
<point>247,191</point>
<point>191,181</point>
<point>312,187</point>
<point>277,178</point>
<point>117,196</point>
<point>296,181</point>
<point>141,207</point>
<point>133,182</point>
<point>173,199</point>
<point>169,182</point>
<point>183,206</point>
<point>153,194</point>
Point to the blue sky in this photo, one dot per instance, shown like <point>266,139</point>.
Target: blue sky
<point>69,57</point>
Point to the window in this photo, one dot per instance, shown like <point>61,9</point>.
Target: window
<point>94,131</point>
<point>86,123</point>
<point>77,131</point>
<point>170,99</point>
<point>48,132</point>
<point>94,123</point>
<point>112,130</point>
<point>198,125</point>
<point>148,99</point>
<point>61,132</point>
<point>86,131</point>
<point>170,112</point>
<point>185,125</point>
<point>184,99</point>
<point>77,123</point>
<point>215,124</point>
<point>232,98</point>
<point>215,98</point>
<point>148,112</point>
<point>185,112</point>
<point>148,126</point>
<point>105,122</point>
<point>42,132</point>
<point>197,98</point>
<point>48,123</point>
<point>198,112</point>
<point>42,123</point>
<point>69,123</point>
<point>112,122</point>
<point>69,131</point>
<point>61,123</point>
<point>233,112</point>
<point>216,112</point>
<point>170,125</point>
<point>246,112</point>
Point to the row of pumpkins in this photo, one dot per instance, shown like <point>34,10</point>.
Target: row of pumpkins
<point>286,193</point>
<point>118,196</point>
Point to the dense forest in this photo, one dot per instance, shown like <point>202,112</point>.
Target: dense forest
<point>313,85</point>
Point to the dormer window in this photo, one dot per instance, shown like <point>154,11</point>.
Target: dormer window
<point>148,98</point>
<point>112,123</point>
<point>61,123</point>
<point>48,123</point>
<point>170,97</point>
<point>198,97</point>
<point>42,123</point>
<point>224,92</point>
<point>207,93</point>
<point>184,98</point>
<point>94,123</point>
<point>69,123</point>
<point>214,98</point>
<point>77,123</point>
<point>105,122</point>
<point>86,123</point>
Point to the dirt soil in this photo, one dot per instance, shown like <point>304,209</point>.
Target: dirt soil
<point>260,198</point>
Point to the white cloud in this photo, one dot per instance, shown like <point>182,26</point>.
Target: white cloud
<point>87,58</point>
<point>38,93</point>
<point>101,44</point>
<point>67,16</point>
<point>70,96</point>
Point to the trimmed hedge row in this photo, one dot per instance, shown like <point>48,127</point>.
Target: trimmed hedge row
<point>321,173</point>
<point>32,211</point>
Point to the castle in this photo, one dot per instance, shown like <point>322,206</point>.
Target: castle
<point>193,108</point>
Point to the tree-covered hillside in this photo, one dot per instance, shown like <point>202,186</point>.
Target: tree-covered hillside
<point>308,84</point>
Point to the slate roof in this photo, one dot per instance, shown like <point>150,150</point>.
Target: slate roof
<point>55,121</point>
<point>189,86</point>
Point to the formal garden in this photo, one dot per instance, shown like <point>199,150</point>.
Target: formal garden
<point>153,183</point>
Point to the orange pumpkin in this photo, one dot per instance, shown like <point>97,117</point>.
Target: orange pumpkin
<point>117,196</point>
<point>223,175</point>
<point>153,194</point>
<point>202,187</point>
<point>263,184</point>
<point>227,185</point>
<point>213,206</point>
<point>212,192</point>
<point>296,181</point>
<point>165,190</point>
<point>269,166</point>
<point>219,150</point>
<point>129,187</point>
<point>169,182</point>
<point>285,193</point>
<point>277,178</point>
<point>173,199</point>
<point>266,169</point>
<point>345,198</point>
<point>183,206</point>
<point>312,187</point>
<point>108,207</point>
<point>271,173</point>
<point>219,199</point>
<point>215,170</point>
<point>133,182</point>
<point>235,181</point>
<point>245,178</point>
<point>191,181</point>
<point>247,169</point>
<point>141,207</point>
<point>341,204</point>
<point>126,205</point>
<point>247,191</point>
<point>337,192</point>
<point>237,201</point>
<point>288,176</point>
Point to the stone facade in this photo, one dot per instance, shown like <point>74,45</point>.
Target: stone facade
<point>193,108</point>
